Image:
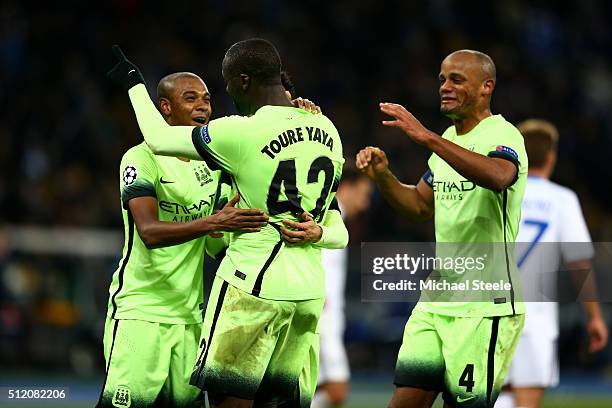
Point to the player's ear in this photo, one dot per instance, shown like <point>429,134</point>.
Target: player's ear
<point>488,86</point>
<point>164,106</point>
<point>245,82</point>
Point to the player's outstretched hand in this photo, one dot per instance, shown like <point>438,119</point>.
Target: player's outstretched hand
<point>307,105</point>
<point>598,335</point>
<point>231,218</point>
<point>303,232</point>
<point>372,162</point>
<point>405,121</point>
<point>124,73</point>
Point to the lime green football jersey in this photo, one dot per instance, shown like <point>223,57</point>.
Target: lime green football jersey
<point>480,222</point>
<point>164,284</point>
<point>284,161</point>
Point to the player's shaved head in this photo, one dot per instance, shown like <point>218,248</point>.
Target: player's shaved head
<point>480,60</point>
<point>167,84</point>
<point>254,57</point>
<point>467,80</point>
<point>183,99</point>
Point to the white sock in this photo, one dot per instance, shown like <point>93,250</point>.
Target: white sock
<point>505,400</point>
<point>321,400</point>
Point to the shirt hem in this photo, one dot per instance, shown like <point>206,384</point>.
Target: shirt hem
<point>277,296</point>
<point>154,319</point>
<point>424,307</point>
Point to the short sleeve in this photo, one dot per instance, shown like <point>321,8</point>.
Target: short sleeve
<point>137,175</point>
<point>428,176</point>
<point>220,142</point>
<point>506,142</point>
<point>574,234</point>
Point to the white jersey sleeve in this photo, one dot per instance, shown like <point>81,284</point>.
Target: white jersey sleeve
<point>335,264</point>
<point>573,230</point>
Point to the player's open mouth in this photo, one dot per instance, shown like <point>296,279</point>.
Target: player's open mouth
<point>447,99</point>
<point>200,120</point>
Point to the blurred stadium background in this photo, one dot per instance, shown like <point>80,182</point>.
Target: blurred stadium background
<point>64,129</point>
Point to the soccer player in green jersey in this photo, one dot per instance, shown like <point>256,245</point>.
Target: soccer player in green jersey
<point>474,186</point>
<point>156,295</point>
<point>267,296</point>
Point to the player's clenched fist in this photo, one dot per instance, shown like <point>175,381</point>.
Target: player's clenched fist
<point>372,162</point>
<point>124,73</point>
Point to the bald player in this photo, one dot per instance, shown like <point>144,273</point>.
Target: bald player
<point>154,316</point>
<point>474,186</point>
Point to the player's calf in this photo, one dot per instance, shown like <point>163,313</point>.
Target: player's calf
<point>404,397</point>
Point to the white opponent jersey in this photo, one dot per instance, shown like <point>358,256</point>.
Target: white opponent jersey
<point>335,264</point>
<point>551,214</point>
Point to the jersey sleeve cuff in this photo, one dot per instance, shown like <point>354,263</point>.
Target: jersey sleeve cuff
<point>507,156</point>
<point>428,178</point>
<point>201,139</point>
<point>135,191</point>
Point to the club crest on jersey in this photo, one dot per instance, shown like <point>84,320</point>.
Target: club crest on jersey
<point>122,397</point>
<point>203,175</point>
<point>205,134</point>
<point>129,175</point>
<point>507,150</point>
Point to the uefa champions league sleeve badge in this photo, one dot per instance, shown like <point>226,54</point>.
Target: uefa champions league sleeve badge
<point>129,175</point>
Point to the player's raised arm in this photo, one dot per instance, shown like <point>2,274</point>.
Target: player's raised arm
<point>494,173</point>
<point>162,138</point>
<point>414,201</point>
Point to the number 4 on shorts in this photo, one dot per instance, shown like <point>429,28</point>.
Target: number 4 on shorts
<point>467,378</point>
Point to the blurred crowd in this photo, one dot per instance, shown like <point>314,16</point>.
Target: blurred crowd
<point>64,126</point>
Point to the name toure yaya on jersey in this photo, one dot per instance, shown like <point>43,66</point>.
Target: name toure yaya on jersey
<point>291,136</point>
